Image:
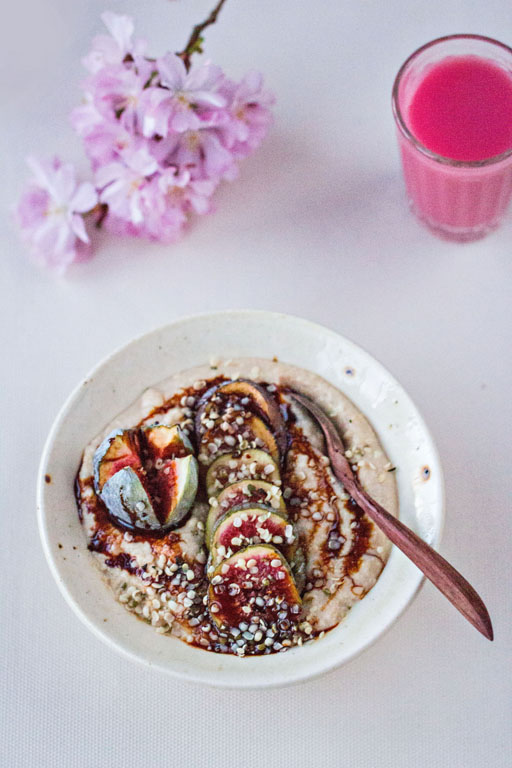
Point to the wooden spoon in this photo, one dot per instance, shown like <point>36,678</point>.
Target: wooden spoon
<point>449,581</point>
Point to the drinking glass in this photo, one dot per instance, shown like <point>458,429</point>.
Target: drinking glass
<point>458,200</point>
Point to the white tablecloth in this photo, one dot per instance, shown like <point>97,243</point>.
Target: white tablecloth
<point>316,226</point>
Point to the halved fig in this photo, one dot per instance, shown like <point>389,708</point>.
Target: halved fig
<point>241,528</point>
<point>245,493</point>
<point>118,450</point>
<point>249,395</point>
<point>243,432</point>
<point>157,502</point>
<point>253,585</point>
<point>233,467</point>
<point>163,442</point>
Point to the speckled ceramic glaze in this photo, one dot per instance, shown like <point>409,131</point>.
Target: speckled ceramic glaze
<point>120,379</point>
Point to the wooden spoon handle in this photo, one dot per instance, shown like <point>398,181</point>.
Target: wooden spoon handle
<point>443,575</point>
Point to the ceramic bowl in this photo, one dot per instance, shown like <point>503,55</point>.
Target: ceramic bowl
<point>120,379</point>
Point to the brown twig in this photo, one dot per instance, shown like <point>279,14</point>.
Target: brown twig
<point>195,41</point>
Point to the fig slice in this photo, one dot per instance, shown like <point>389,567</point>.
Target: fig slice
<point>163,442</point>
<point>240,528</point>
<point>118,450</point>
<point>251,433</point>
<point>252,397</point>
<point>243,494</point>
<point>263,403</point>
<point>254,586</point>
<point>247,465</point>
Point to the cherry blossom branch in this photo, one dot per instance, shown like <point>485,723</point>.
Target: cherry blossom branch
<point>195,41</point>
<point>150,179</point>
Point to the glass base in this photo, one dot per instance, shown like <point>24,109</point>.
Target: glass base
<point>453,234</point>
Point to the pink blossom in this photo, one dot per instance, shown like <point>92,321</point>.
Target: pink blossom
<point>107,140</point>
<point>165,215</point>
<point>116,92</point>
<point>123,183</point>
<point>104,138</point>
<point>180,188</point>
<point>114,48</point>
<point>176,106</point>
<point>162,218</point>
<point>250,116</point>
<point>85,117</point>
<point>49,213</point>
<point>169,200</point>
<point>202,153</point>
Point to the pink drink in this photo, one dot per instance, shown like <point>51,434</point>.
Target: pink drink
<point>462,109</point>
<point>452,101</point>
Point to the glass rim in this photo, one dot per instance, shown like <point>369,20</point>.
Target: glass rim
<point>399,119</point>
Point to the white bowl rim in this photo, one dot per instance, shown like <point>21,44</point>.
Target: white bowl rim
<point>99,631</point>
